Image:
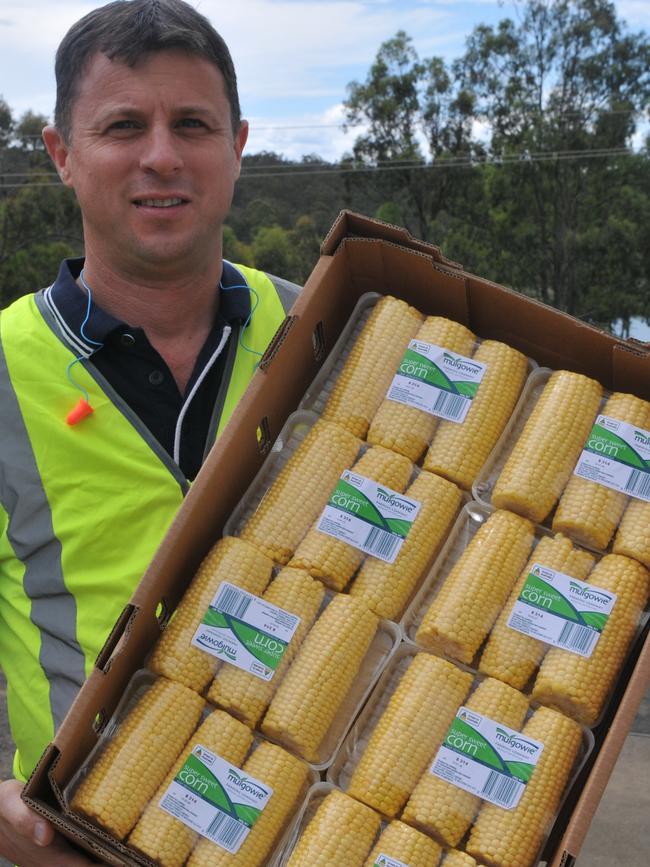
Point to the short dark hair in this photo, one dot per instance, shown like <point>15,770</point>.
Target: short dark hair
<point>130,30</point>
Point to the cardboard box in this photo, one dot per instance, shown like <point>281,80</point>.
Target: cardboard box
<point>358,255</point>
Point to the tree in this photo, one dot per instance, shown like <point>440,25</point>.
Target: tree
<point>28,131</point>
<point>6,124</point>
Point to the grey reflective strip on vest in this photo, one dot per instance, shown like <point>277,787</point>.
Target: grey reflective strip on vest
<point>31,535</point>
<point>287,291</point>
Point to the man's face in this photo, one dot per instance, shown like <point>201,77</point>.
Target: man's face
<point>153,161</point>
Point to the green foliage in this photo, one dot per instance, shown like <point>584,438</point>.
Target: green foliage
<point>6,123</point>
<point>28,131</point>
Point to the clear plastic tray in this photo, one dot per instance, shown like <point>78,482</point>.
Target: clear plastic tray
<point>340,772</point>
<point>138,686</point>
<point>471,518</point>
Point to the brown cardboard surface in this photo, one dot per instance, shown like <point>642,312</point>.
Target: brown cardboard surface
<point>360,255</point>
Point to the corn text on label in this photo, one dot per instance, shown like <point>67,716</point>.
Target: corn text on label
<point>215,799</point>
<point>436,380</point>
<point>386,861</point>
<point>246,631</point>
<point>617,455</point>
<point>486,758</point>
<point>368,516</point>
<point>561,611</point>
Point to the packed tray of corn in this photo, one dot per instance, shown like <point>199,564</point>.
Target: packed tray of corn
<point>377,552</point>
<point>462,757</point>
<point>176,781</point>
<point>576,458</point>
<point>523,604</point>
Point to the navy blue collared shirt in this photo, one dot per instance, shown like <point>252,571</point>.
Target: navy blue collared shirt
<point>138,373</point>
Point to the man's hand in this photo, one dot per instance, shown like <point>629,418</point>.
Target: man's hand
<point>27,839</point>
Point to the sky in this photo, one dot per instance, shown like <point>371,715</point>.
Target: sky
<point>294,58</point>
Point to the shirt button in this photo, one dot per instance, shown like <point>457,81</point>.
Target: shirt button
<point>127,339</point>
<point>156,377</point>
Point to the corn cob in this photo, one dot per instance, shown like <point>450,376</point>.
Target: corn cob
<point>341,832</point>
<point>245,695</point>
<point>387,587</point>
<point>136,760</point>
<point>545,454</point>
<point>477,587</point>
<point>633,536</point>
<point>368,371</point>
<point>287,776</point>
<point>331,560</point>
<point>510,655</point>
<point>459,451</point>
<point>407,845</point>
<point>301,490</point>
<point>455,858</point>
<point>159,835</point>
<point>407,429</point>
<point>579,686</point>
<point>512,838</point>
<point>439,807</point>
<point>409,732</point>
<point>311,693</point>
<point>174,655</point>
<point>588,511</point>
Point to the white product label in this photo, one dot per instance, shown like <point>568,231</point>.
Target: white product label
<point>561,611</point>
<point>368,516</point>
<point>617,455</point>
<point>436,380</point>
<point>487,759</point>
<point>212,797</point>
<point>386,861</point>
<point>246,631</point>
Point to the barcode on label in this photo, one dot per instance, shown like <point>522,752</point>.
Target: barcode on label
<point>578,638</point>
<point>451,406</point>
<point>639,484</point>
<point>500,789</point>
<point>233,602</point>
<point>381,543</point>
<point>226,831</point>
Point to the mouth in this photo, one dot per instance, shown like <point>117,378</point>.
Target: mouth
<point>170,202</point>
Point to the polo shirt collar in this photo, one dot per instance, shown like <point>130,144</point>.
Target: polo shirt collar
<point>69,306</point>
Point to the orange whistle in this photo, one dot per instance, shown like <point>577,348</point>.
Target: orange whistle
<point>80,412</point>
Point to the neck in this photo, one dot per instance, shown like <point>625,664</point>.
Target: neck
<point>176,314</point>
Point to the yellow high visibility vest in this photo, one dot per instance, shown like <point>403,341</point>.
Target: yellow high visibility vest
<point>82,509</point>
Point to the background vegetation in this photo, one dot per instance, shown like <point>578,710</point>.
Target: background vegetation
<point>526,159</point>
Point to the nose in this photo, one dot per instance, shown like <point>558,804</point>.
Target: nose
<point>161,151</point>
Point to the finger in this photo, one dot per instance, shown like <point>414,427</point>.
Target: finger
<point>17,815</point>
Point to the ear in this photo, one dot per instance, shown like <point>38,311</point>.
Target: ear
<point>240,142</point>
<point>59,153</point>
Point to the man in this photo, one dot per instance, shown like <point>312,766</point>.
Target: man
<point>150,342</point>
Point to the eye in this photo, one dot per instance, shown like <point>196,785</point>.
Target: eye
<point>192,123</point>
<point>123,126</point>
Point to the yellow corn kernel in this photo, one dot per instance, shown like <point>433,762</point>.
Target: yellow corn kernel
<point>136,760</point>
<point>633,536</point>
<point>477,587</point>
<point>331,560</point>
<point>405,844</point>
<point>311,693</point>
<point>165,839</point>
<point>546,452</point>
<point>297,497</point>
<point>443,809</point>
<point>456,858</point>
<point>386,588</point>
<point>174,656</point>
<point>590,512</point>
<point>512,838</point>
<point>340,832</point>
<point>510,655</point>
<point>369,369</point>
<point>409,732</point>
<point>287,776</point>
<point>406,429</point>
<point>458,451</point>
<point>579,686</point>
<point>245,695</point>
